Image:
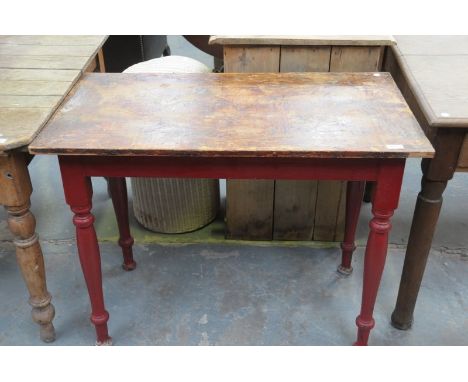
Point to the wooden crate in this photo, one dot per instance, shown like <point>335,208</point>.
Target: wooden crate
<point>293,210</point>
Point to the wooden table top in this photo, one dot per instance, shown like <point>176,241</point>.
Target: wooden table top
<point>36,73</point>
<point>316,115</point>
<point>302,40</point>
<point>436,69</point>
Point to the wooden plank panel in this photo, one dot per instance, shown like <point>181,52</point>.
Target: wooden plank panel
<point>368,40</point>
<point>249,204</point>
<point>43,62</point>
<point>463,159</point>
<point>29,88</point>
<point>18,128</point>
<point>329,195</point>
<point>249,209</point>
<point>12,101</point>
<point>341,215</point>
<point>53,40</point>
<point>264,59</point>
<point>294,208</point>
<point>355,58</point>
<point>305,59</point>
<point>39,75</point>
<point>47,50</point>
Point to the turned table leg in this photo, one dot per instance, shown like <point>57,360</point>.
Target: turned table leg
<point>118,192</point>
<point>354,196</point>
<point>15,192</point>
<point>436,173</point>
<point>78,194</point>
<point>385,201</point>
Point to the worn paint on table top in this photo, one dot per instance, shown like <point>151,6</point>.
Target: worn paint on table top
<point>265,114</point>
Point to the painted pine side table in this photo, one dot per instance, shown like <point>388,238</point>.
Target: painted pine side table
<point>36,73</point>
<point>332,126</point>
<point>293,209</point>
<point>431,72</point>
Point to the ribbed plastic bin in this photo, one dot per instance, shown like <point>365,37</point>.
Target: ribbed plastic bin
<point>171,205</point>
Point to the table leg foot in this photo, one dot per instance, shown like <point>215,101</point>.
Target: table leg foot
<point>343,271</point>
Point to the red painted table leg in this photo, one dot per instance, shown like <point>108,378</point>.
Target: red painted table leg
<point>354,194</point>
<point>385,201</point>
<point>78,194</point>
<point>118,191</point>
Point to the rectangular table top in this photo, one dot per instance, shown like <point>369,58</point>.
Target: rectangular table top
<point>316,115</point>
<point>36,73</point>
<point>436,69</point>
<point>302,40</point>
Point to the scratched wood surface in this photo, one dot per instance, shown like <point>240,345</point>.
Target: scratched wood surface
<point>36,73</point>
<point>314,115</point>
<point>302,40</point>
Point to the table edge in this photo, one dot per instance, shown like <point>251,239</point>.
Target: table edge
<point>432,119</point>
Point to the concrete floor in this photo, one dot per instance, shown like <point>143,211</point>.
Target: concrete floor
<point>198,288</point>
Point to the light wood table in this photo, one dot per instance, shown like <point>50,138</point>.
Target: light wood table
<point>432,73</point>
<point>293,209</point>
<point>36,73</point>
<point>328,126</point>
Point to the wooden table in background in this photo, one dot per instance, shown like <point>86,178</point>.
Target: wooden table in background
<point>328,126</point>
<point>432,74</point>
<point>290,209</point>
<point>36,73</point>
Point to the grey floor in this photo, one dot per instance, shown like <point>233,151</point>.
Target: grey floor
<point>201,289</point>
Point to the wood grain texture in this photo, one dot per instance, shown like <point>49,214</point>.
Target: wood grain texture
<point>18,125</point>
<point>38,75</point>
<point>43,62</point>
<point>438,80</point>
<point>249,203</point>
<point>249,209</point>
<point>47,50</point>
<point>57,40</point>
<point>36,72</point>
<point>324,115</point>
<point>355,59</point>
<point>21,102</point>
<point>302,40</point>
<point>294,209</point>
<point>263,59</point>
<point>28,88</point>
<point>305,59</point>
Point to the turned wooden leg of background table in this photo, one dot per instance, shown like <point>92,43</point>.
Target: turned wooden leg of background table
<point>436,173</point>
<point>354,194</point>
<point>385,201</point>
<point>15,192</point>
<point>118,191</point>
